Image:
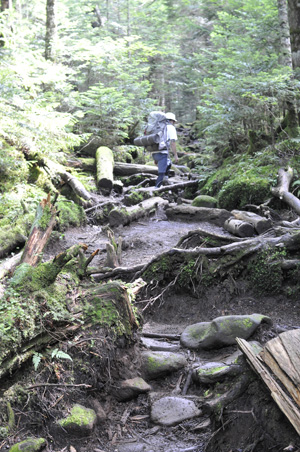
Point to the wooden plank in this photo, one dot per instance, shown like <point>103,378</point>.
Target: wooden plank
<point>283,401</point>
<point>291,342</point>
<point>281,374</point>
<point>276,348</point>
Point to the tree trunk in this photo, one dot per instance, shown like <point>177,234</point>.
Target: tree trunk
<point>127,169</point>
<point>104,162</point>
<point>40,232</point>
<point>285,39</point>
<point>50,37</point>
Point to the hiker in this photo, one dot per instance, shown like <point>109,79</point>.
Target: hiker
<point>161,158</point>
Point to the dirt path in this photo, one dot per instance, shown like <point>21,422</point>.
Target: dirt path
<point>142,241</point>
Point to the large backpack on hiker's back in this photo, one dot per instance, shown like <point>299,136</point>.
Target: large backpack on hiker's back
<point>155,137</point>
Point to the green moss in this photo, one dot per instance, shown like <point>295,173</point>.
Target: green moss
<point>211,370</point>
<point>204,201</point>
<point>248,177</point>
<point>80,416</point>
<point>70,214</point>
<point>264,271</point>
<point>29,445</point>
<point>242,190</point>
<point>134,198</point>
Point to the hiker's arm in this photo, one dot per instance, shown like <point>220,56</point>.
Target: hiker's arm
<point>173,149</point>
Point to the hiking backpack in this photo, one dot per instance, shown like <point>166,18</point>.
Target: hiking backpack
<point>155,138</point>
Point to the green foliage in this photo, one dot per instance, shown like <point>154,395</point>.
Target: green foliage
<point>13,167</point>
<point>265,272</point>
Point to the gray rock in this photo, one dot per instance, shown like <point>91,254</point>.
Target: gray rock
<point>158,364</point>
<point>162,346</point>
<point>129,389</point>
<point>134,447</point>
<point>169,411</point>
<point>214,371</point>
<point>221,331</point>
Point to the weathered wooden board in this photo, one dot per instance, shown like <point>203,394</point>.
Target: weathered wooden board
<point>285,350</point>
<point>283,400</point>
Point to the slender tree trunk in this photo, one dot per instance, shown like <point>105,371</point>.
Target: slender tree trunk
<point>294,23</point>
<point>285,39</point>
<point>50,30</point>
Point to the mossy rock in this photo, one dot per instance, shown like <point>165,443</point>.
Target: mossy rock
<point>29,445</point>
<point>80,422</point>
<point>158,364</point>
<point>205,201</point>
<point>240,191</point>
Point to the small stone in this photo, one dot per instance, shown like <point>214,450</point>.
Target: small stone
<point>129,389</point>
<point>158,364</point>
<point>160,345</point>
<point>169,411</point>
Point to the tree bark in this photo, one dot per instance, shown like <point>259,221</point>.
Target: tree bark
<point>285,39</point>
<point>50,37</point>
<point>104,162</point>
<point>40,232</point>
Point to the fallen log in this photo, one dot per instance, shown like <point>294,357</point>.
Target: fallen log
<point>56,171</point>
<point>125,216</point>
<point>259,223</point>
<point>40,232</point>
<point>128,169</point>
<point>105,163</point>
<point>239,227</point>
<point>8,266</point>
<point>190,213</point>
<point>282,190</point>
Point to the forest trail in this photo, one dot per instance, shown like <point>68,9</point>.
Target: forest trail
<point>142,240</point>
